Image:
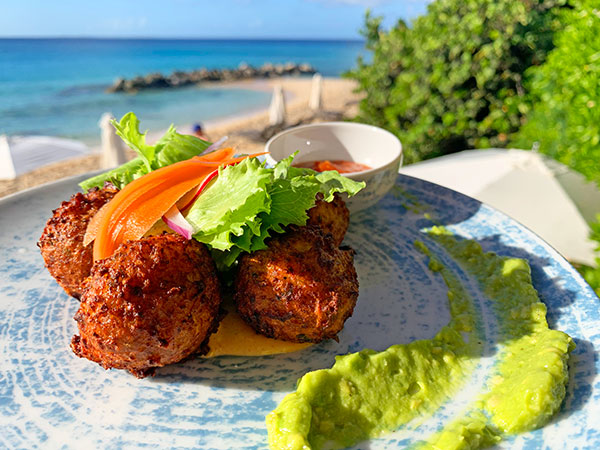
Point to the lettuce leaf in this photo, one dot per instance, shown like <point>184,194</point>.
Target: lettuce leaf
<point>171,148</point>
<point>248,203</point>
<point>128,128</point>
<point>231,204</point>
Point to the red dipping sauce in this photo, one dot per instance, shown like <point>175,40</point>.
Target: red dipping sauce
<point>339,165</point>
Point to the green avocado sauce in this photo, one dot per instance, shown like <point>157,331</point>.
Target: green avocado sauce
<point>368,393</point>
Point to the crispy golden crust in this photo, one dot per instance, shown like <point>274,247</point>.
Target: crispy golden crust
<point>332,218</point>
<point>301,289</point>
<point>152,303</point>
<point>61,243</point>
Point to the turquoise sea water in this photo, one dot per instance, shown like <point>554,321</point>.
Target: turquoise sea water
<point>56,86</point>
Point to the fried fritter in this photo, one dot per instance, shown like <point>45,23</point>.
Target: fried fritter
<point>301,289</point>
<point>61,243</point>
<point>152,303</point>
<point>331,217</point>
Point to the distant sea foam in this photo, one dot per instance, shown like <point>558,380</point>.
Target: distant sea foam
<point>56,86</point>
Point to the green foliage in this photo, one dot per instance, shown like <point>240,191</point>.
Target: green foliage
<point>454,79</point>
<point>565,119</point>
<point>592,274</point>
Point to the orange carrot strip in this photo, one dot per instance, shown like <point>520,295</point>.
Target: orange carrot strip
<point>92,228</point>
<point>187,198</point>
<point>210,159</point>
<point>121,210</point>
<point>218,155</point>
<point>134,209</point>
<point>241,158</point>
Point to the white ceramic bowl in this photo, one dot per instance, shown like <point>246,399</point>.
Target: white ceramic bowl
<point>365,144</point>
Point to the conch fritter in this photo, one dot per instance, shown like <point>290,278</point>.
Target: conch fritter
<point>331,217</point>
<point>61,243</point>
<point>153,302</point>
<point>302,288</point>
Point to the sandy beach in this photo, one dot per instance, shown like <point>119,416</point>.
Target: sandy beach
<point>244,131</point>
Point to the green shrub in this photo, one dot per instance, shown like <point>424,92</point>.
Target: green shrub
<point>455,79</point>
<point>592,274</point>
<point>565,119</point>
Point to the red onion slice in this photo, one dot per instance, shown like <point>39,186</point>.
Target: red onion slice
<point>176,222</point>
<point>215,145</point>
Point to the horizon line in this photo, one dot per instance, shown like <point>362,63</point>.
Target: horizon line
<point>172,38</point>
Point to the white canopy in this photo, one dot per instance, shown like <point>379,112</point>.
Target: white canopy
<point>21,154</point>
<point>542,194</point>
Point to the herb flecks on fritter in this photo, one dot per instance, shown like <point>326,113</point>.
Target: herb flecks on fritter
<point>152,303</point>
<point>331,217</point>
<point>302,288</point>
<point>61,243</point>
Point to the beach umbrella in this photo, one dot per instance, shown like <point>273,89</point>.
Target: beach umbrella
<point>7,166</point>
<point>547,197</point>
<point>277,109</point>
<point>315,101</point>
<point>113,148</point>
<point>22,154</point>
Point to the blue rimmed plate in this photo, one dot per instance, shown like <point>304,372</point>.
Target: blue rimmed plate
<point>50,398</point>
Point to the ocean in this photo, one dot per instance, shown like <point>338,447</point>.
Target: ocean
<point>57,87</point>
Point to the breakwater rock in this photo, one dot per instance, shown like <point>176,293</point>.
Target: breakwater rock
<point>181,79</point>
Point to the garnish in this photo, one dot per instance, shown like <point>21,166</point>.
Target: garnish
<point>232,204</point>
<point>176,222</point>
<point>140,204</point>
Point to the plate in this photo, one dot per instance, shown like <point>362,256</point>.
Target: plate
<point>51,398</point>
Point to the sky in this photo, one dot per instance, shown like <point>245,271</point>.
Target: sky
<point>290,19</point>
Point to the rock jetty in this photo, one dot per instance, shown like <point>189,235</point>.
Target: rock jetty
<point>181,79</point>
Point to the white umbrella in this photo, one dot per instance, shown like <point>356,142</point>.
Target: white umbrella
<point>277,109</point>
<point>7,165</point>
<point>113,148</point>
<point>544,195</point>
<point>315,101</point>
<point>21,154</point>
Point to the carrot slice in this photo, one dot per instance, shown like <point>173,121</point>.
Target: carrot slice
<point>92,228</point>
<point>137,207</point>
<point>124,218</point>
<point>132,193</point>
<point>218,155</point>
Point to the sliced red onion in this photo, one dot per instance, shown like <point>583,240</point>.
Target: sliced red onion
<point>176,222</point>
<point>215,145</point>
<point>200,188</point>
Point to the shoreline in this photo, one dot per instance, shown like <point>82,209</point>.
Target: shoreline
<point>244,129</point>
<point>292,94</point>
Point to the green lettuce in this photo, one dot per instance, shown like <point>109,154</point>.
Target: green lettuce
<point>249,202</point>
<point>171,148</point>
